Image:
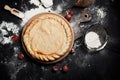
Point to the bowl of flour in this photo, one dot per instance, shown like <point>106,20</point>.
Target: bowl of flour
<point>95,38</point>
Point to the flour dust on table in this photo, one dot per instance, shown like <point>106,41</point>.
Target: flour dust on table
<point>98,14</point>
<point>40,8</point>
<point>7,30</point>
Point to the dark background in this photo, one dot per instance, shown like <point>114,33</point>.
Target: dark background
<point>102,65</point>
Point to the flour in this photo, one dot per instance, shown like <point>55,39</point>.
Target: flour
<point>16,70</point>
<point>101,13</point>
<point>92,40</point>
<point>15,3</point>
<point>3,31</point>
<point>14,64</point>
<point>47,3</point>
<point>29,14</point>
<point>7,40</point>
<point>6,27</point>
<point>16,50</point>
<point>10,27</point>
<point>35,2</point>
<point>21,15</point>
<point>59,8</point>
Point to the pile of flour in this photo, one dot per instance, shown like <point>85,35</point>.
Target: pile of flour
<point>92,40</point>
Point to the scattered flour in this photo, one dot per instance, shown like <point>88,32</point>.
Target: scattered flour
<point>101,12</point>
<point>6,27</point>
<point>59,8</point>
<point>29,14</point>
<point>98,13</point>
<point>14,70</point>
<point>15,64</point>
<point>21,15</point>
<point>35,2</point>
<point>47,3</point>
<point>98,16</point>
<point>15,3</point>
<point>16,50</point>
<point>9,26</point>
<point>7,40</point>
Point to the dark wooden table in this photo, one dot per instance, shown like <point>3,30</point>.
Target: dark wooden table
<point>102,65</point>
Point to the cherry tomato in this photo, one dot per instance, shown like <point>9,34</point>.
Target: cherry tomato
<point>15,37</point>
<point>20,56</point>
<point>68,17</point>
<point>72,51</point>
<point>71,12</point>
<point>55,68</point>
<point>65,68</point>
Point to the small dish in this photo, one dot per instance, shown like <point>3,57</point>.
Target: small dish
<point>95,38</point>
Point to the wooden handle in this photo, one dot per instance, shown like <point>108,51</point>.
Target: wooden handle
<point>6,7</point>
<point>14,11</point>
